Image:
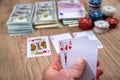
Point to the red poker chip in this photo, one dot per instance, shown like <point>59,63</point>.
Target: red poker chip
<point>112,21</point>
<point>85,23</point>
<point>105,17</point>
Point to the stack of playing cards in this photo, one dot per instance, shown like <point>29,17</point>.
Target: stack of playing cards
<point>20,21</point>
<point>38,46</point>
<point>82,47</point>
<point>90,34</point>
<point>69,11</point>
<point>45,15</point>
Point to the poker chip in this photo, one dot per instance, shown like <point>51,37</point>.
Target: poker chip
<point>101,26</point>
<point>95,2</point>
<point>113,22</point>
<point>96,15</point>
<point>94,6</point>
<point>85,23</point>
<point>108,10</point>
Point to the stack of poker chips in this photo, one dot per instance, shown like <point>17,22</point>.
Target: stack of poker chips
<point>108,11</point>
<point>95,10</point>
<point>85,23</point>
<point>112,21</point>
<point>96,15</point>
<point>102,17</point>
<point>95,4</point>
<point>101,26</point>
<point>20,21</point>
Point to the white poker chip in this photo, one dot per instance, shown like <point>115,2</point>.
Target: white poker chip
<point>101,26</point>
<point>108,10</point>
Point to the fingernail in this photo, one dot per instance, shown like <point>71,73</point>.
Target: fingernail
<point>80,61</point>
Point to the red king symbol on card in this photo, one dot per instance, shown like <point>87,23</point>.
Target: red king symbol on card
<point>44,51</point>
<point>32,40</point>
<point>70,47</point>
<point>61,49</point>
<point>66,47</point>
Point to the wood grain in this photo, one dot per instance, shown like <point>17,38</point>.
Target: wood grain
<point>14,64</point>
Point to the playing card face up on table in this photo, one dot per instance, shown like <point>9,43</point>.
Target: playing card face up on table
<point>38,46</point>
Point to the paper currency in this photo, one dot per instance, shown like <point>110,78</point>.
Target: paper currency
<point>20,20</point>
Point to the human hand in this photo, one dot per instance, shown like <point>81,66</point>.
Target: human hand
<point>99,71</point>
<point>54,70</point>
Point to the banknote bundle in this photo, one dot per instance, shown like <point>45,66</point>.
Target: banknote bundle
<point>20,20</point>
<point>45,15</point>
<point>69,11</point>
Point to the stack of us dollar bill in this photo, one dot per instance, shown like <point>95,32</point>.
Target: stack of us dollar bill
<point>20,20</point>
<point>69,11</point>
<point>45,15</point>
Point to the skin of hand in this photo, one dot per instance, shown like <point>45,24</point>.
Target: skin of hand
<point>55,71</point>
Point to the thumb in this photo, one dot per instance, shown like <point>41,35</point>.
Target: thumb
<point>77,69</point>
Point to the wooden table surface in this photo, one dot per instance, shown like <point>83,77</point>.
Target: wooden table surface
<point>14,64</point>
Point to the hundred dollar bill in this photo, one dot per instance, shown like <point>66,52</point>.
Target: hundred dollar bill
<point>45,13</point>
<point>20,19</point>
